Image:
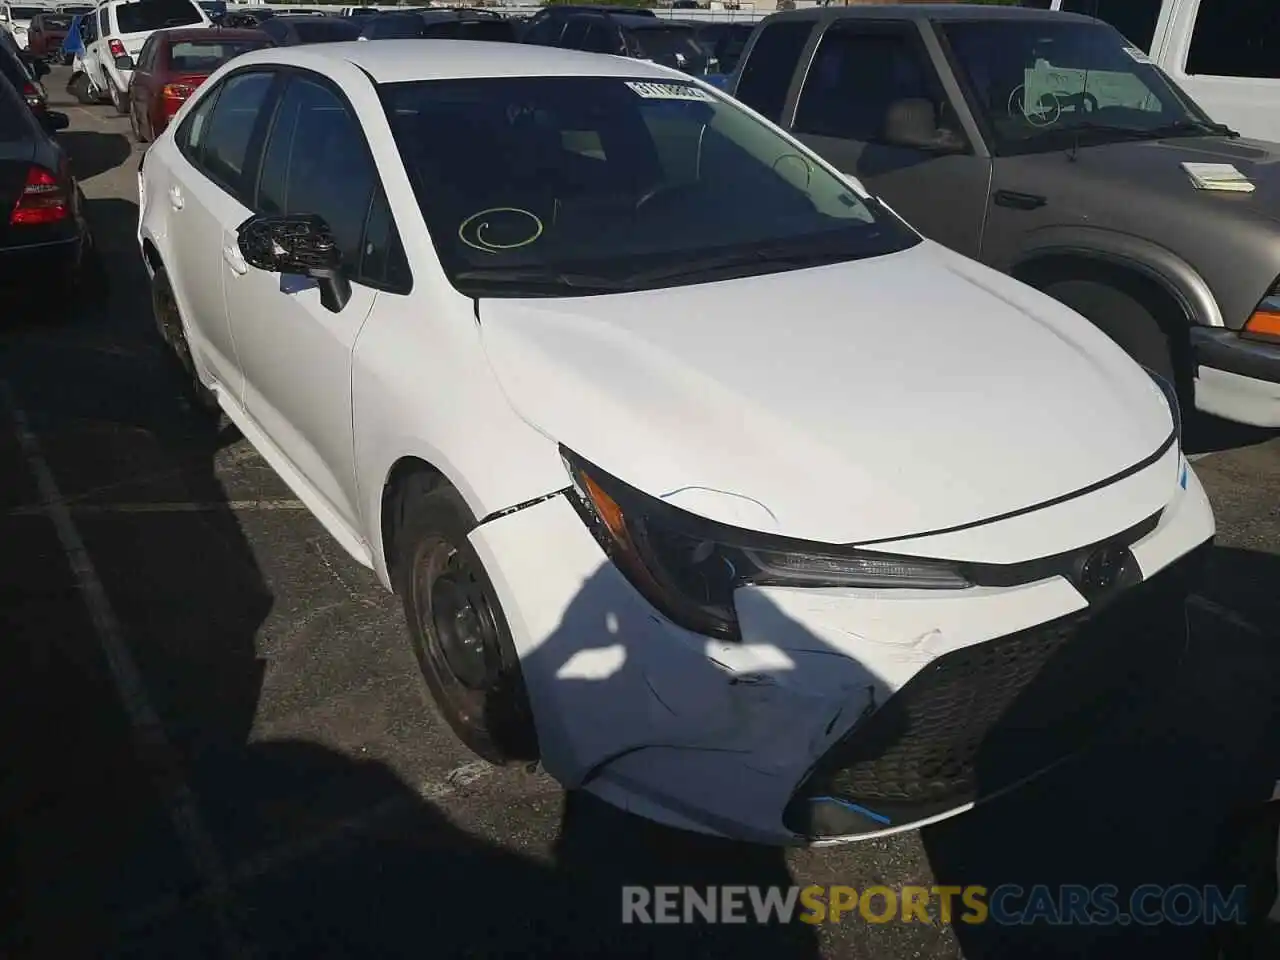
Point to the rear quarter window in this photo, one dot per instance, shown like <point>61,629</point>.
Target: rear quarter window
<point>147,15</point>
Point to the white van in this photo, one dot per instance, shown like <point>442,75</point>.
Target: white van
<point>1224,53</point>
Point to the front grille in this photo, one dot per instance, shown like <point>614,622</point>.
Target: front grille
<point>980,719</point>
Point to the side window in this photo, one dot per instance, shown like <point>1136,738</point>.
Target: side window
<point>859,75</point>
<point>766,74</point>
<point>231,125</point>
<point>545,31</point>
<point>1236,38</point>
<point>1136,19</point>
<point>190,136</point>
<point>382,259</point>
<point>316,162</point>
<point>600,38</point>
<point>575,33</point>
<point>147,55</point>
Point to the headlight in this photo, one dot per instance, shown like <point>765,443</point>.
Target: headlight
<point>1171,396</point>
<point>688,567</point>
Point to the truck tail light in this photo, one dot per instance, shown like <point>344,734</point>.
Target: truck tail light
<point>33,95</point>
<point>117,48</point>
<point>43,199</point>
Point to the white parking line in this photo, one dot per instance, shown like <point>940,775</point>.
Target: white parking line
<point>198,506</point>
<point>149,739</point>
<point>1225,613</point>
<point>1194,457</point>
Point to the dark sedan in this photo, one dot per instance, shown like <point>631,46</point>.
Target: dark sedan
<point>45,244</point>
<point>290,31</point>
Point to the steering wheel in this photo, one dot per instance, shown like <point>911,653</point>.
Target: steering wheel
<point>664,190</point>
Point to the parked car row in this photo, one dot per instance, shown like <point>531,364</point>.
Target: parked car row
<point>46,248</point>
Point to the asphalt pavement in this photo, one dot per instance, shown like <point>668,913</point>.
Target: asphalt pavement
<point>216,742</point>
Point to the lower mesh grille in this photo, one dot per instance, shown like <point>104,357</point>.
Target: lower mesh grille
<point>980,719</point>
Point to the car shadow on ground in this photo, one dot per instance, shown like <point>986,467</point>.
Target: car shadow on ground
<point>1209,434</point>
<point>93,153</point>
<point>1170,797</point>
<point>290,847</point>
<point>361,865</point>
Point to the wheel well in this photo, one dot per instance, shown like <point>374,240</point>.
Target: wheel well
<point>152,255</point>
<point>401,472</point>
<point>1163,304</point>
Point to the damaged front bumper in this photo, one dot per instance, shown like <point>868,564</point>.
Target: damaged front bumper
<point>842,713</point>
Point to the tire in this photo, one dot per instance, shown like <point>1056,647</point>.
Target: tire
<point>169,326</point>
<point>118,100</point>
<point>482,695</point>
<point>1122,317</point>
<point>134,127</point>
<point>80,88</point>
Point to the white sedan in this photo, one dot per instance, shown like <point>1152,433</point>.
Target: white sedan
<point>703,478</point>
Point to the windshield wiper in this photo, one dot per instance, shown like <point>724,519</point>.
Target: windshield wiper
<point>1197,126</point>
<point>532,277</point>
<point>697,266</point>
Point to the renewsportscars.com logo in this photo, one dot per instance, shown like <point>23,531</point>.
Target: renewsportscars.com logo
<point>1007,905</point>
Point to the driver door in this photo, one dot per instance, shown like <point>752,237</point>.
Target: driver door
<point>863,73</point>
<point>294,352</point>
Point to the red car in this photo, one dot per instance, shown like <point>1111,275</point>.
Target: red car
<point>172,64</point>
<point>46,33</point>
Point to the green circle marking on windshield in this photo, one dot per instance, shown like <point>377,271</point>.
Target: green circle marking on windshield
<point>515,228</point>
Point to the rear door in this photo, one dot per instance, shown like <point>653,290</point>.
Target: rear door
<point>212,174</point>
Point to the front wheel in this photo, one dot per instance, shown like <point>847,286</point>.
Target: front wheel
<point>459,633</point>
<point>1122,317</point>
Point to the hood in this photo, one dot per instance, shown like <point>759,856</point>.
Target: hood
<point>882,398</point>
<point>1150,171</point>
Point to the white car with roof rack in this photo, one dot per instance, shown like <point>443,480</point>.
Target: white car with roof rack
<point>773,520</point>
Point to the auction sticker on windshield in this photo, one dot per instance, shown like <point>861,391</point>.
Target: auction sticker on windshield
<point>668,91</point>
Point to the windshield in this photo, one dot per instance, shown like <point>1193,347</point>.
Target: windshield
<point>205,56</point>
<point>1040,84</point>
<point>55,22</point>
<point>147,15</point>
<point>325,31</point>
<point>566,185</point>
<point>670,46</point>
<point>26,13</point>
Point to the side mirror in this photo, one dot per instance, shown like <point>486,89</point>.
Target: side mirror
<point>53,121</point>
<point>301,246</point>
<point>914,123</point>
<point>124,62</point>
<point>40,69</point>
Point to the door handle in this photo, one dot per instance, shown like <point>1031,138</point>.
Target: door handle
<point>1019,201</point>
<point>235,261</point>
<point>175,198</point>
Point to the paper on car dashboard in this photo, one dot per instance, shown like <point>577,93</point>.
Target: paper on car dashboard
<point>1108,88</point>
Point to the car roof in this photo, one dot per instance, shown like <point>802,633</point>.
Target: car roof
<point>184,34</point>
<point>928,11</point>
<point>397,61</point>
